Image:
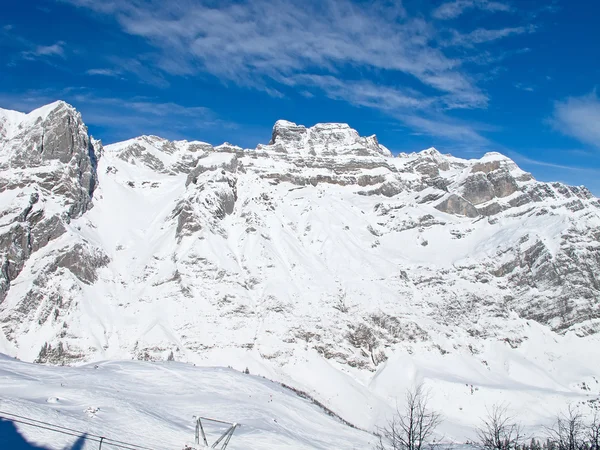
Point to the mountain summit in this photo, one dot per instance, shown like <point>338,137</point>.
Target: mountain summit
<point>318,259</point>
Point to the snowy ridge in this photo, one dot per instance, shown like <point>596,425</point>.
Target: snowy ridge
<point>318,260</point>
<point>14,122</point>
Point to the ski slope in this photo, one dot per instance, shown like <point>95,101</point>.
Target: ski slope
<point>153,404</point>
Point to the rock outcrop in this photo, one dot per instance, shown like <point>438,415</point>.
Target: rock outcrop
<point>47,178</point>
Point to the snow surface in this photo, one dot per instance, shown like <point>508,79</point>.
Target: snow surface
<point>153,404</point>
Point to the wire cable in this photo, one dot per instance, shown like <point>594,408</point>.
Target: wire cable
<point>69,431</point>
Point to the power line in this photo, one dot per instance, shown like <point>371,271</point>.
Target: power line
<point>70,429</point>
<point>70,432</point>
<point>92,438</point>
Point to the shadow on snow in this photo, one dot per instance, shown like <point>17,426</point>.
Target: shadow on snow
<point>11,439</point>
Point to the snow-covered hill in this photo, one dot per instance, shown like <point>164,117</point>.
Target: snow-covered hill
<point>152,405</point>
<point>318,259</point>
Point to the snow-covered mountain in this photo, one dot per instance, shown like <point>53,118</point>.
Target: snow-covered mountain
<point>319,259</point>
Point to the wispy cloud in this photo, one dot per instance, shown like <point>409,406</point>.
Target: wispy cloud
<point>345,50</point>
<point>524,87</point>
<point>142,68</point>
<point>445,128</point>
<point>56,49</point>
<point>455,8</point>
<point>482,35</point>
<point>104,72</point>
<point>124,117</point>
<point>579,117</point>
<point>129,117</point>
<point>364,93</point>
<point>391,99</point>
<point>278,39</point>
<point>538,162</point>
<point>26,49</point>
<point>122,67</point>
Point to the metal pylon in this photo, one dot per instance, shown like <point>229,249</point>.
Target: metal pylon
<point>223,440</point>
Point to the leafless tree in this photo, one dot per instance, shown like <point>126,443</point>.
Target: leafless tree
<point>593,432</point>
<point>499,431</point>
<point>413,427</point>
<point>568,432</point>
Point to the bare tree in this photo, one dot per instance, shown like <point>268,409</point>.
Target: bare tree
<point>567,433</point>
<point>412,428</point>
<point>593,432</point>
<point>499,431</point>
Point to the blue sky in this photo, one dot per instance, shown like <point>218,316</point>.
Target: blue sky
<point>465,76</point>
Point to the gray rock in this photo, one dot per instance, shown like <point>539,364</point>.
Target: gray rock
<point>503,183</point>
<point>82,261</point>
<point>486,167</point>
<point>478,189</point>
<point>455,204</point>
<point>211,195</point>
<point>65,159</point>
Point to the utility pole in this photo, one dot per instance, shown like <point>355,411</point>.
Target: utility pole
<point>201,439</point>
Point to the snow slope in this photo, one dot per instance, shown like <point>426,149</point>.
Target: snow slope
<point>153,404</point>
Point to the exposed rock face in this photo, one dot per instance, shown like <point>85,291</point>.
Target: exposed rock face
<point>504,184</point>
<point>455,204</point>
<point>477,189</point>
<point>82,261</point>
<point>492,179</point>
<point>48,176</point>
<point>318,243</point>
<point>211,194</point>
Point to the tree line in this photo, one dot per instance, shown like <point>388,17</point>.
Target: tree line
<point>414,428</point>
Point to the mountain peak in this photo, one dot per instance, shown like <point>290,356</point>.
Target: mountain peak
<point>46,110</point>
<point>284,124</point>
<point>495,156</point>
<point>14,122</point>
<point>324,139</point>
<point>432,151</point>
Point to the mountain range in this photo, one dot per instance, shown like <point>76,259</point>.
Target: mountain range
<point>318,259</point>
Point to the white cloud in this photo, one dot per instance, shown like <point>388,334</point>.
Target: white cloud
<point>537,162</point>
<point>364,93</point>
<point>524,87</point>
<point>128,117</point>
<point>446,128</point>
<point>391,99</point>
<point>482,35</point>
<point>143,69</point>
<point>455,8</point>
<point>365,54</point>
<point>249,42</point>
<point>124,117</point>
<point>104,72</point>
<point>579,117</point>
<point>56,49</point>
